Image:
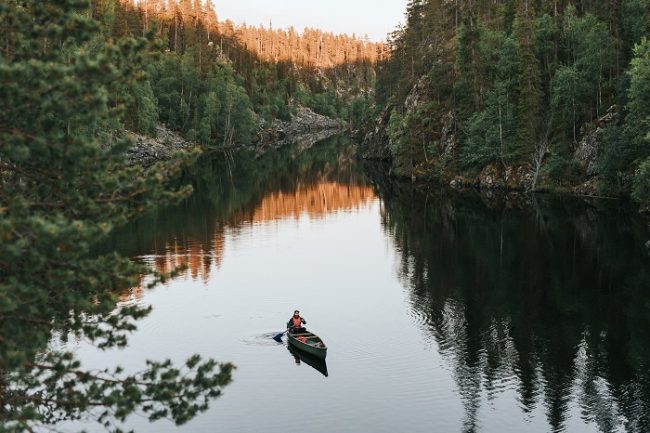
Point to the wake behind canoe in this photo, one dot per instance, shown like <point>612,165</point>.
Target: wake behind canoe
<point>308,342</point>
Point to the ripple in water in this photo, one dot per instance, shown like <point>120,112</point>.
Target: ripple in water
<point>265,339</point>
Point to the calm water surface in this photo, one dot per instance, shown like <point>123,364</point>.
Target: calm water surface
<point>442,312</point>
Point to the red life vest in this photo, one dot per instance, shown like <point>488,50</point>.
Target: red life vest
<point>297,322</point>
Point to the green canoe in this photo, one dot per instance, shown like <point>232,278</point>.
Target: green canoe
<point>309,343</point>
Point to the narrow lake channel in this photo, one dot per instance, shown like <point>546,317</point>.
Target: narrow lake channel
<point>442,311</point>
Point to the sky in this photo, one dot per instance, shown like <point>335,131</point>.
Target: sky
<point>376,18</point>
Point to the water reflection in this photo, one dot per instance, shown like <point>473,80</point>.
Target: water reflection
<point>549,299</point>
<point>300,357</point>
<point>232,193</point>
<point>537,310</point>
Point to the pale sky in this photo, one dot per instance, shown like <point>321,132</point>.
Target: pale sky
<point>376,18</point>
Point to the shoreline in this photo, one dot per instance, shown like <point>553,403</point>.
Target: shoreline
<point>305,128</point>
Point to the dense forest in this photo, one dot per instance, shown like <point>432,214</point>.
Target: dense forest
<point>217,82</point>
<point>74,75</point>
<point>521,94</point>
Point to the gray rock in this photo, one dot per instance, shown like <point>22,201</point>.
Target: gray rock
<point>146,151</point>
<point>376,142</point>
<point>304,127</point>
<point>589,147</point>
<point>448,136</point>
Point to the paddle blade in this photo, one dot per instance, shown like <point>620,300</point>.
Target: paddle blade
<point>278,337</point>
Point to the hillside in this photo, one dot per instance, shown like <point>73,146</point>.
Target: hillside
<point>533,95</point>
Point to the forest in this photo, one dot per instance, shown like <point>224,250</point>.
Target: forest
<point>541,95</point>
<point>536,95</point>
<point>217,82</point>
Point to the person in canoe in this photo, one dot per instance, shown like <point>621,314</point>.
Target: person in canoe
<point>294,325</point>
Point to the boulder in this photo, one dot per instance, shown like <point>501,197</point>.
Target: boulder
<point>460,182</point>
<point>519,177</point>
<point>491,177</point>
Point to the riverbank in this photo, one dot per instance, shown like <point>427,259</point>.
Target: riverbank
<point>579,176</point>
<point>147,151</point>
<point>305,128</point>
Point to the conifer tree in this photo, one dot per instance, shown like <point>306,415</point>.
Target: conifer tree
<point>64,185</point>
<point>638,119</point>
<point>530,94</point>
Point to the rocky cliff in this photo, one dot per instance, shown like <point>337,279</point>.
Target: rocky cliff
<point>445,140</point>
<point>376,142</point>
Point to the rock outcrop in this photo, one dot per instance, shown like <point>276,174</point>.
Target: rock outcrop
<point>146,151</point>
<point>589,147</point>
<point>376,142</point>
<point>305,126</point>
<point>448,136</point>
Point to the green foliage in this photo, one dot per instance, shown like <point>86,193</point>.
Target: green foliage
<point>529,80</point>
<point>636,21</point>
<point>614,161</point>
<point>524,78</point>
<point>270,93</point>
<point>395,131</point>
<point>323,102</point>
<point>492,132</point>
<point>563,170</point>
<point>568,89</point>
<point>145,109</point>
<point>638,119</point>
<point>361,113</point>
<point>211,107</point>
<point>628,145</point>
<point>227,117</point>
<point>409,142</point>
<point>64,185</point>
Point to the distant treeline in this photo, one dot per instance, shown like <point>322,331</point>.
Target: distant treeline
<point>215,81</point>
<point>523,82</point>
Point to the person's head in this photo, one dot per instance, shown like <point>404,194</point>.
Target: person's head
<point>296,313</point>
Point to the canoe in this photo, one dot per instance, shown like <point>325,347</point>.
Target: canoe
<point>302,357</point>
<point>309,343</point>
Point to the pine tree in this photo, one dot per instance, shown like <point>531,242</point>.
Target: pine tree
<point>638,119</point>
<point>64,185</point>
<point>530,94</point>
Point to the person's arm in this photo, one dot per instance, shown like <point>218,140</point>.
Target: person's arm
<point>304,322</point>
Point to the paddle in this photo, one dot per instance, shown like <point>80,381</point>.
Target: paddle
<point>278,337</point>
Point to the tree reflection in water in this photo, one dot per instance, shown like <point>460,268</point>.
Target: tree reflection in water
<point>231,193</point>
<point>551,298</point>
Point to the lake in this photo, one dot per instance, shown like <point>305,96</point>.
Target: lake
<point>443,311</point>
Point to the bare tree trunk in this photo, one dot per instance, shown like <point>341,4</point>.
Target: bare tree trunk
<point>540,153</point>
<point>500,131</point>
<point>176,33</point>
<point>227,138</point>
